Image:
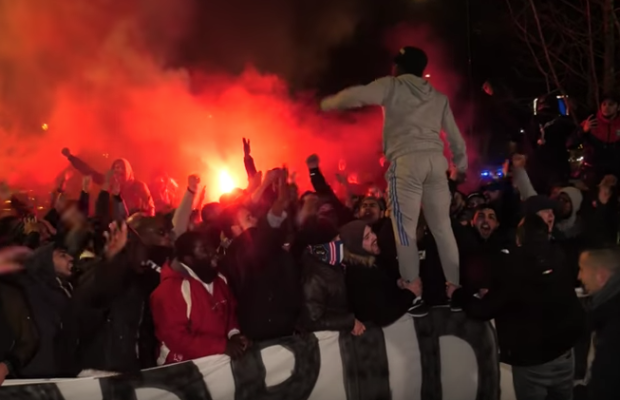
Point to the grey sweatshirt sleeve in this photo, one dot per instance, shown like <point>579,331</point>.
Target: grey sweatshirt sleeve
<point>455,139</point>
<point>374,93</point>
<point>523,183</point>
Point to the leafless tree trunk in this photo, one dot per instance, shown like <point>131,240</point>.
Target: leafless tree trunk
<point>591,54</point>
<point>609,74</point>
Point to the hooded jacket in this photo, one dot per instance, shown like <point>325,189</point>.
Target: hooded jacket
<point>193,319</point>
<point>570,226</point>
<point>136,194</point>
<point>415,113</point>
<point>537,314</point>
<point>49,298</point>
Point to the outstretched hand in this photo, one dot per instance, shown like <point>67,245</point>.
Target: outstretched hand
<point>11,259</point>
<point>193,181</point>
<point>116,239</point>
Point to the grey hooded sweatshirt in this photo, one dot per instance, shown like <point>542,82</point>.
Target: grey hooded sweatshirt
<point>414,116</point>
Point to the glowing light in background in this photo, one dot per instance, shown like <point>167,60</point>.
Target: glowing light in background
<point>226,183</point>
<point>44,127</point>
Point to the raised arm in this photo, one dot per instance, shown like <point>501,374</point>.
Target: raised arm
<point>373,94</point>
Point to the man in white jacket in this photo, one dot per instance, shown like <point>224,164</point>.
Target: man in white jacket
<point>414,116</point>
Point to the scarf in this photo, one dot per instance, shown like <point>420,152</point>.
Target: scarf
<point>331,253</point>
<point>607,292</point>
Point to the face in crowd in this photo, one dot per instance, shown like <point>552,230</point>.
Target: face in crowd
<point>457,204</point>
<point>595,269</point>
<point>202,259</point>
<point>63,262</point>
<point>120,172</point>
<point>485,222</point>
<point>565,206</point>
<point>609,108</point>
<point>244,220</point>
<point>492,195</point>
<point>548,216</point>
<point>369,241</point>
<point>370,210</point>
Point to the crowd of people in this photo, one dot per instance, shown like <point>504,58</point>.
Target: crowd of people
<point>132,285</point>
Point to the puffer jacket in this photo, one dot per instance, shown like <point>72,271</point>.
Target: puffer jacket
<point>325,305</point>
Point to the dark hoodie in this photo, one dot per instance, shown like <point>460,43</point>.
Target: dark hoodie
<point>49,296</point>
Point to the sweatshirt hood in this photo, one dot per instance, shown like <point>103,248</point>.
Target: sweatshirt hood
<point>128,170</point>
<point>41,263</point>
<point>569,225</point>
<point>419,87</point>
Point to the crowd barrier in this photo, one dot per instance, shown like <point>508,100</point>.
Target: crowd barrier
<point>444,356</point>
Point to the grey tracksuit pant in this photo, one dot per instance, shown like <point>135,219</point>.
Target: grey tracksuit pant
<point>419,181</point>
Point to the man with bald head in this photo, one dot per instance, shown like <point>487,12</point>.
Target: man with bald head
<point>599,271</point>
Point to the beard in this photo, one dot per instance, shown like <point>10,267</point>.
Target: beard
<point>204,270</point>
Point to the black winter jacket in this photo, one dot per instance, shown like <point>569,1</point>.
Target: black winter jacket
<point>19,338</point>
<point>374,295</point>
<point>605,320</point>
<point>49,298</point>
<point>265,281</point>
<point>537,314</point>
<point>325,305</point>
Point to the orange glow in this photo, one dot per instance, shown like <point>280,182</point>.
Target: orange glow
<point>226,183</point>
<point>117,97</point>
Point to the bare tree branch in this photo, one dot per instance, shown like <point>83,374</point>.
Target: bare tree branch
<point>592,63</point>
<point>529,46</point>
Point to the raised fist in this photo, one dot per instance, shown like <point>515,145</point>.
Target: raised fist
<point>193,181</point>
<point>66,152</point>
<point>312,161</point>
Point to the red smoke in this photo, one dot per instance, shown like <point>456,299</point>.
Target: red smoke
<point>93,73</point>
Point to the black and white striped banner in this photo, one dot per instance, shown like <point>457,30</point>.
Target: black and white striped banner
<point>442,356</point>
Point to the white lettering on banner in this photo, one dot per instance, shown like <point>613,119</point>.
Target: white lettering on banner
<point>411,359</point>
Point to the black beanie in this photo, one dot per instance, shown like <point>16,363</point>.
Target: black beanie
<point>352,236</point>
<point>412,60</point>
<point>610,96</point>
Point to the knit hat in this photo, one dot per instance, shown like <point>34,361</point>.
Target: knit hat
<point>610,96</point>
<point>352,235</point>
<point>412,60</point>
<point>537,203</point>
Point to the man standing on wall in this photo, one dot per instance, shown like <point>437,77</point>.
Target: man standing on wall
<point>414,116</point>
